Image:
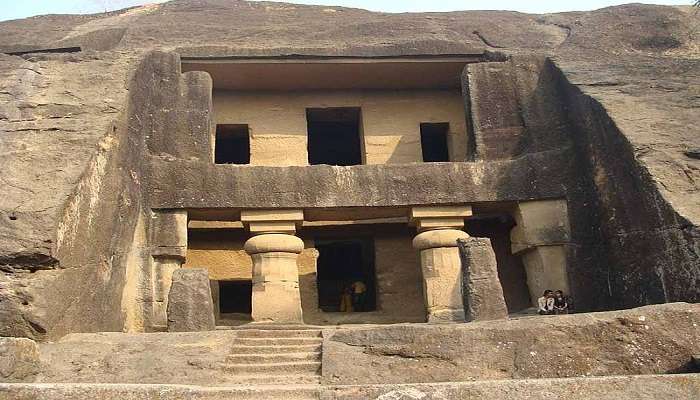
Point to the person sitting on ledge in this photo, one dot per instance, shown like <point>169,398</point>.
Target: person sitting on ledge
<point>545,304</point>
<point>561,305</point>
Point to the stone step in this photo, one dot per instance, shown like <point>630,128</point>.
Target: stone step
<point>91,391</point>
<point>290,379</point>
<point>275,349</point>
<point>255,341</point>
<point>269,327</point>
<point>272,358</point>
<point>270,333</point>
<point>278,368</point>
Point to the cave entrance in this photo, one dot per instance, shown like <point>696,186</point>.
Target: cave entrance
<point>235,298</point>
<point>511,270</point>
<point>433,141</point>
<point>341,264</point>
<point>334,136</point>
<point>232,144</point>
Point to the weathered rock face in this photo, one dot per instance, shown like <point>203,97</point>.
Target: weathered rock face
<point>658,339</point>
<point>608,388</point>
<point>79,151</point>
<point>483,294</point>
<point>647,340</point>
<point>190,305</point>
<point>19,360</point>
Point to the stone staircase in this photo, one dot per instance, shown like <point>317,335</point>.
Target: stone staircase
<point>273,355</point>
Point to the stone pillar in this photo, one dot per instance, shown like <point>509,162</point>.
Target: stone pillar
<point>274,250</point>
<point>190,303</point>
<point>439,229</point>
<point>169,249</point>
<point>541,237</point>
<point>483,297</point>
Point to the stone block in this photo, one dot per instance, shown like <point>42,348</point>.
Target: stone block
<point>19,359</point>
<point>542,222</point>
<point>190,304</point>
<point>483,294</point>
<point>271,215</point>
<point>169,233</point>
<point>545,267</point>
<point>441,212</point>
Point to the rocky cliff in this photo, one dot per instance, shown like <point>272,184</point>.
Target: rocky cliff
<point>628,78</point>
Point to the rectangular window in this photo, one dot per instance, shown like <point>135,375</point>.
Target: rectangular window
<point>232,145</point>
<point>433,140</point>
<point>235,297</point>
<point>334,136</point>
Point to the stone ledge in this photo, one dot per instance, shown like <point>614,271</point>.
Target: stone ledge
<point>640,387</point>
<point>535,176</point>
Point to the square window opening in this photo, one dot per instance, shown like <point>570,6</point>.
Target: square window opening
<point>232,144</point>
<point>235,297</point>
<point>433,140</point>
<point>346,275</point>
<point>334,136</point>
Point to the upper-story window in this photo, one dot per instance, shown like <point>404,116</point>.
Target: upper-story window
<point>334,136</point>
<point>232,144</point>
<point>433,140</point>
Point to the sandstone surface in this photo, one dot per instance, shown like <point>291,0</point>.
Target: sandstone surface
<point>190,306</point>
<point>606,96</point>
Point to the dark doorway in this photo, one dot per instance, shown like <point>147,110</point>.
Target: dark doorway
<point>511,271</point>
<point>232,144</point>
<point>433,141</point>
<point>340,264</point>
<point>235,297</point>
<point>334,136</point>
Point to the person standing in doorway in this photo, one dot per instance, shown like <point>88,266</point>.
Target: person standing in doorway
<point>346,299</point>
<point>359,290</point>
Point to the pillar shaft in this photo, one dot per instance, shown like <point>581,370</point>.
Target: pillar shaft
<point>169,248</point>
<point>440,260</point>
<point>274,251</point>
<point>540,236</point>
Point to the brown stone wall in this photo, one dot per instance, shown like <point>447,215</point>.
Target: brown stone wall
<point>220,252</point>
<point>390,122</point>
<point>397,266</point>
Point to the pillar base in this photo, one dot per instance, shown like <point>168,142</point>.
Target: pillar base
<point>446,316</point>
<point>276,296</point>
<point>442,274</point>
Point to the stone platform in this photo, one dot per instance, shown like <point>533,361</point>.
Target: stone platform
<point>642,353</point>
<point>650,387</point>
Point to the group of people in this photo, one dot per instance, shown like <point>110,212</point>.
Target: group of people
<point>553,302</point>
<point>352,299</point>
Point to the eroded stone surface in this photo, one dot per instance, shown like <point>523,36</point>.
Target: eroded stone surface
<point>483,294</point>
<point>611,102</point>
<point>19,359</point>
<point>646,340</point>
<point>190,305</point>
<point>649,340</point>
